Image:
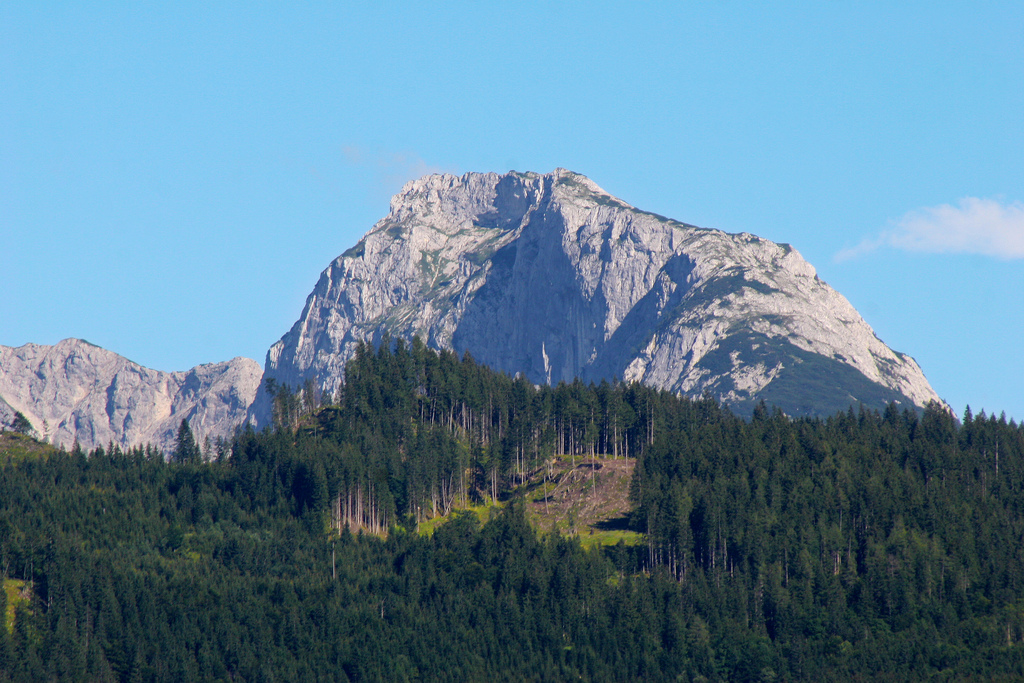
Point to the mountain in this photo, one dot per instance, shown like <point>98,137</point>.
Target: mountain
<point>550,276</point>
<point>545,275</point>
<point>74,389</point>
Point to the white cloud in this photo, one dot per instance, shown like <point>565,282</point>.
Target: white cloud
<point>866,246</point>
<point>976,226</point>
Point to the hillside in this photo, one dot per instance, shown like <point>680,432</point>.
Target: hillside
<point>866,546</point>
<point>589,499</point>
<point>15,445</point>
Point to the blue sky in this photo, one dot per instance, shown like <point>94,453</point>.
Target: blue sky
<point>174,176</point>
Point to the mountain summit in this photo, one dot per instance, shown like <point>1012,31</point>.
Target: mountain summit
<point>544,275</point>
<point>550,276</point>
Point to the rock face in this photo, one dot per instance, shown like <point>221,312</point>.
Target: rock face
<point>76,390</point>
<point>550,276</point>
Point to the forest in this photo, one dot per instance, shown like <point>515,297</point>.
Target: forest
<point>864,546</point>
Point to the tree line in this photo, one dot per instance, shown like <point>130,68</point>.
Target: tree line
<point>414,431</point>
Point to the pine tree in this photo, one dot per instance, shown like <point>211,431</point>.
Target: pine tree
<point>185,448</point>
<point>21,424</point>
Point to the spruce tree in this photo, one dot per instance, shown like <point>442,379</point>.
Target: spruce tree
<point>185,448</point>
<point>21,424</point>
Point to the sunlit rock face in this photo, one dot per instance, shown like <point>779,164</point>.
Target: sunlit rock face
<point>550,276</point>
<point>75,390</point>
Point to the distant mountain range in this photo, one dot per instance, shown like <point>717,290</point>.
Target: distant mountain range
<point>545,275</point>
<point>75,390</point>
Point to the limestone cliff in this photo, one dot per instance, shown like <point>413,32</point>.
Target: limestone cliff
<point>76,390</point>
<point>550,276</point>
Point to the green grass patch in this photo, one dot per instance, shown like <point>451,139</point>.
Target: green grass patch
<point>16,446</point>
<point>482,512</point>
<point>356,251</point>
<point>542,490</point>
<point>612,537</point>
<point>16,596</point>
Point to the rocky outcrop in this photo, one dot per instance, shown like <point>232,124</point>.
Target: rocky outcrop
<point>75,390</point>
<point>550,276</point>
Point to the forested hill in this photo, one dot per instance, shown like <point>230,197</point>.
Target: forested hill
<point>864,546</point>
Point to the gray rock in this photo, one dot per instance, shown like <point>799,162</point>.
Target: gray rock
<point>77,390</point>
<point>550,276</point>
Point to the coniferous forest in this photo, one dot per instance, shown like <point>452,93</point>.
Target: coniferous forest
<point>865,546</point>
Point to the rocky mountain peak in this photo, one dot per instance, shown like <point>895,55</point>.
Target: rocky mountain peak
<point>551,276</point>
<point>542,274</point>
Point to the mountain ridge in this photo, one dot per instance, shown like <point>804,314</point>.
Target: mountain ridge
<point>549,275</point>
<point>75,390</point>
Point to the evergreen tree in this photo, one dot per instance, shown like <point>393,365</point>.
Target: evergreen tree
<point>859,547</point>
<point>21,424</point>
<point>186,450</point>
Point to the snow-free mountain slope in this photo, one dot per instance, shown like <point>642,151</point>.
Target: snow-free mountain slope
<point>74,389</point>
<point>546,275</point>
<point>550,276</point>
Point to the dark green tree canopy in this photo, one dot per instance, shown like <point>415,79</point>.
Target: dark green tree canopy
<point>864,546</point>
<point>21,424</point>
<point>185,447</point>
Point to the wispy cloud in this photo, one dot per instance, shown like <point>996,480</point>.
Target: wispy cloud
<point>390,170</point>
<point>976,226</point>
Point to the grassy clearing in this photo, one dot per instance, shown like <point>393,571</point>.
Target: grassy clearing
<point>17,594</point>
<point>482,512</point>
<point>610,537</point>
<point>583,497</point>
<point>14,445</point>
